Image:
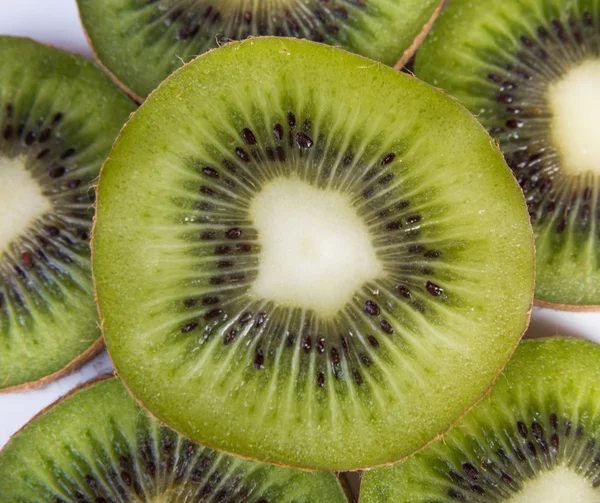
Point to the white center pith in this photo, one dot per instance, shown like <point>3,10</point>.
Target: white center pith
<point>575,105</point>
<point>21,200</point>
<point>315,249</point>
<point>560,485</point>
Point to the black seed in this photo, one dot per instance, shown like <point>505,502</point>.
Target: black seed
<point>222,250</point>
<point>403,291</point>
<point>126,478</point>
<point>43,153</point>
<point>459,479</point>
<point>51,230</point>
<point>259,360</point>
<point>537,430</point>
<point>348,158</point>
<point>278,132</point>
<point>30,138</point>
<point>335,356</point>
<point>207,191</point>
<point>503,456</point>
<point>388,158</point>
<point>559,29</point>
<point>68,153</point>
<point>588,20</point>
<point>303,141</point>
<point>373,341</point>
<point>229,336</point>
<point>245,318</point>
<point>553,421</point>
<point>416,248</point>
<point>506,478</point>
<point>504,98</point>
<point>531,449</point>
<point>234,233</point>
<point>291,120</point>
<point>248,137</point>
<point>8,131</point>
<point>394,226</point>
<point>561,226</point>
<point>372,308</point>
<point>386,327</point>
<point>57,172</point>
<point>100,499</point>
<point>210,172</point>
<point>280,154</point>
<point>477,489</point>
<point>124,463</point>
<point>433,289</point>
<point>432,254</point>
<point>20,130</point>
<point>307,344</point>
<point>471,471</point>
<point>514,123</point>
<point>73,184</point>
<point>320,345</point>
<point>508,85</point>
<point>345,345</point>
<point>454,494</point>
<point>567,428</point>
<point>320,379</point>
<point>494,77</point>
<point>57,118</point>
<point>357,377</point>
<point>522,429</point>
<point>224,264</point>
<point>364,359</point>
<point>413,219</point>
<point>189,327</point>
<point>214,313</point>
<point>554,442</point>
<point>242,154</point>
<point>192,302</point>
<point>9,110</point>
<point>244,248</point>
<point>260,319</point>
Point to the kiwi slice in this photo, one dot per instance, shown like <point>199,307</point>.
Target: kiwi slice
<point>529,70</point>
<point>535,439</point>
<point>98,446</point>
<point>59,115</point>
<point>142,41</point>
<point>300,254</point>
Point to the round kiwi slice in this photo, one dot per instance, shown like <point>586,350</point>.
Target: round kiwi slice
<point>300,254</point>
<point>529,70</point>
<point>59,115</point>
<point>98,446</point>
<point>535,439</point>
<point>142,41</point>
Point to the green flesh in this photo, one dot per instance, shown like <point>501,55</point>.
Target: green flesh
<point>499,59</point>
<point>142,41</point>
<point>176,254</point>
<point>546,402</point>
<point>61,114</point>
<point>99,446</point>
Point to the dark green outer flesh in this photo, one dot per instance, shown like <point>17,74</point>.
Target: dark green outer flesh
<point>550,386</point>
<point>88,446</point>
<point>474,40</point>
<point>148,262</point>
<point>48,317</point>
<point>138,41</point>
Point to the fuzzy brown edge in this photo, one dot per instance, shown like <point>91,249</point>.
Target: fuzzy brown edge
<point>69,394</point>
<point>410,52</point>
<point>342,478</point>
<point>566,307</point>
<point>312,470</point>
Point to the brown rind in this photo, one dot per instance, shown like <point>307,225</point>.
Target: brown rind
<point>566,307</point>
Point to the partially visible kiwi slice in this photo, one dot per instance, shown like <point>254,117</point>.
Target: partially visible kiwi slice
<point>98,446</point>
<point>535,439</point>
<point>530,71</point>
<point>306,257</point>
<point>59,115</point>
<point>142,41</point>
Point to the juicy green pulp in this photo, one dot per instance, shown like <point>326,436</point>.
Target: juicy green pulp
<point>209,391</point>
<point>546,376</point>
<point>141,53</point>
<point>466,32</point>
<point>87,434</point>
<point>38,81</point>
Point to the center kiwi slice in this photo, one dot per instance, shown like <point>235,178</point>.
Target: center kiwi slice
<point>530,71</point>
<point>142,41</point>
<point>98,446</point>
<point>305,257</point>
<point>59,115</point>
<point>535,439</point>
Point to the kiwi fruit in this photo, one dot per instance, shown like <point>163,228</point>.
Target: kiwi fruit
<point>59,115</point>
<point>141,42</point>
<point>98,446</point>
<point>529,70</point>
<point>307,258</point>
<point>535,439</point>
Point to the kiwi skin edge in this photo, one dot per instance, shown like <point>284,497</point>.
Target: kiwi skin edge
<point>390,463</point>
<point>410,52</point>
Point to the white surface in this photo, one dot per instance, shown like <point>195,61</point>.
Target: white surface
<point>307,260</point>
<point>575,102</point>
<point>59,25</point>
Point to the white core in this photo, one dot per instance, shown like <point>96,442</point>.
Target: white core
<point>575,104</point>
<point>316,250</point>
<point>560,485</point>
<point>21,200</point>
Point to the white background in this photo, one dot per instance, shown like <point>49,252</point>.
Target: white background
<point>56,22</point>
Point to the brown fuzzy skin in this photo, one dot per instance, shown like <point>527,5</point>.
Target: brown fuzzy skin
<point>95,349</point>
<point>567,307</point>
<point>389,463</point>
<point>410,52</point>
<point>54,404</point>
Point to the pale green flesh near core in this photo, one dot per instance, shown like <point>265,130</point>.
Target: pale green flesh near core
<point>142,42</point>
<point>99,445</point>
<point>534,439</point>
<point>16,186</point>
<point>529,70</point>
<point>59,115</point>
<point>177,252</point>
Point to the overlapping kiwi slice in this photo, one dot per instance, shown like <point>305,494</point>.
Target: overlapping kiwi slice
<point>529,70</point>
<point>535,439</point>
<point>98,446</point>
<point>306,257</point>
<point>59,115</point>
<point>142,41</point>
